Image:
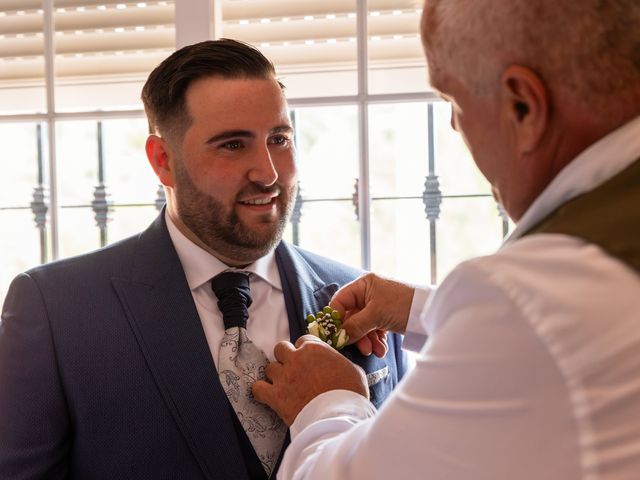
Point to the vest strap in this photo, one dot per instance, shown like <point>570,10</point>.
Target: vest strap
<point>608,216</point>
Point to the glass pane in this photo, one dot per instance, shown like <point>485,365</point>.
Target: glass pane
<point>400,240</point>
<point>394,47</point>
<point>104,52</point>
<point>331,229</point>
<point>468,227</point>
<point>77,162</point>
<point>128,175</point>
<point>327,151</point>
<point>457,172</point>
<point>312,44</point>
<point>127,221</point>
<point>398,149</point>
<point>21,59</point>
<point>19,163</point>
<point>19,246</point>
<point>78,231</point>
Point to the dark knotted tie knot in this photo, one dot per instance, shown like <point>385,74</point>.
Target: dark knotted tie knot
<point>234,297</point>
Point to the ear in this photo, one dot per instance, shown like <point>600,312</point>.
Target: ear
<point>159,154</point>
<point>526,101</point>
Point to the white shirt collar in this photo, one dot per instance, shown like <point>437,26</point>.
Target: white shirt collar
<point>200,266</point>
<point>595,165</point>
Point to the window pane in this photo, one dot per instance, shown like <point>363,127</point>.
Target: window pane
<point>457,172</point>
<point>394,47</point>
<point>77,162</point>
<point>19,163</point>
<point>468,227</point>
<point>104,52</point>
<point>327,159</point>
<point>19,246</point>
<point>128,175</point>
<point>400,240</point>
<point>398,149</point>
<point>327,151</point>
<point>312,44</point>
<point>21,59</point>
<point>78,231</point>
<point>127,221</point>
<point>330,228</point>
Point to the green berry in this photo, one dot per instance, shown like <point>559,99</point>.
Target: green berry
<point>327,309</point>
<point>335,314</point>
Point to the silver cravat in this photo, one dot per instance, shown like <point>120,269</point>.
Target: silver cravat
<point>240,364</point>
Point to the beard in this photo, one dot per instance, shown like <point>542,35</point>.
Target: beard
<point>223,231</point>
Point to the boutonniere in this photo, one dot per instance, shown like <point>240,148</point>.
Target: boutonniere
<point>327,326</point>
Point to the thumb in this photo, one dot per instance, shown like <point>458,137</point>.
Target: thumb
<point>351,297</point>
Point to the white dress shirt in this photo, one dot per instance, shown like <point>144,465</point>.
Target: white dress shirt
<point>268,322</point>
<point>531,369</point>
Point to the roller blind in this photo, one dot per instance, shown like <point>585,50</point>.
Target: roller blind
<point>100,39</point>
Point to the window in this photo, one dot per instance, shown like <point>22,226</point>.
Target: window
<point>382,175</point>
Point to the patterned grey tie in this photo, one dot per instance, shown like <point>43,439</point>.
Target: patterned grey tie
<point>240,364</point>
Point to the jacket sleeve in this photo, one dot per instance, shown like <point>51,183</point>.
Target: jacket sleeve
<point>34,423</point>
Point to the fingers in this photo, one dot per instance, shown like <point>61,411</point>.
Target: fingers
<point>283,350</point>
<point>364,345</point>
<point>373,342</point>
<point>379,344</point>
<point>273,370</point>
<point>350,297</point>
<point>307,338</point>
<point>263,392</point>
<point>358,325</point>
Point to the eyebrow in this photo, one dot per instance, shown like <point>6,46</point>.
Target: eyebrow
<point>246,133</point>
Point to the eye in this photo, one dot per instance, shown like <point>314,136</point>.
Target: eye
<point>279,140</point>
<point>232,145</point>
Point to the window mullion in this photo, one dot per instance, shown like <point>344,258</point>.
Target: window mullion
<point>49,52</point>
<point>364,198</point>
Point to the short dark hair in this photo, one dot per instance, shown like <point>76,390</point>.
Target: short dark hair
<point>164,92</point>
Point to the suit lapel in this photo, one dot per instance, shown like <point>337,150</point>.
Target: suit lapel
<point>304,291</point>
<point>164,319</point>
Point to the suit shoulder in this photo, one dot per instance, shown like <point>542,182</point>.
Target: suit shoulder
<point>110,259</point>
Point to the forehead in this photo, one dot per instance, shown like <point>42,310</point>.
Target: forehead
<point>217,98</point>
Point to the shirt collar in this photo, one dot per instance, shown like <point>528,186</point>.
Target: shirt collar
<point>594,166</point>
<point>200,266</point>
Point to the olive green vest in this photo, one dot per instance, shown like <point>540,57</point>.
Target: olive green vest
<point>608,216</point>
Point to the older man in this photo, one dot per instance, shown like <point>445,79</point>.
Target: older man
<point>531,368</point>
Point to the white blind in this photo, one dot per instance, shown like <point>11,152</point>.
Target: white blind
<point>97,39</point>
<point>92,38</point>
<point>304,35</point>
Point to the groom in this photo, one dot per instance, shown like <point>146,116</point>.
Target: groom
<point>109,361</point>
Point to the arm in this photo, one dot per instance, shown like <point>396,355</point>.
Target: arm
<point>34,426</point>
<point>483,402</point>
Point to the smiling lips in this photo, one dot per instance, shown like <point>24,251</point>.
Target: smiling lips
<point>258,201</point>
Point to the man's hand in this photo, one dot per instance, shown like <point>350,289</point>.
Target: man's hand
<point>371,306</point>
<point>303,372</point>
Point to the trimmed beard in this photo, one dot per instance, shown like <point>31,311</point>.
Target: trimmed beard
<point>225,233</point>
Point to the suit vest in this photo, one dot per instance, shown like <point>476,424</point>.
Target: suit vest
<point>608,216</point>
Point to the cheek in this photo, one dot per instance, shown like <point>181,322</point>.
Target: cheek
<point>287,171</point>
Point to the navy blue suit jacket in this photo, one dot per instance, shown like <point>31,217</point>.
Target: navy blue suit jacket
<point>105,371</point>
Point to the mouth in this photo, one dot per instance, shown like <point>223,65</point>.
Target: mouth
<point>258,201</point>
<point>260,204</point>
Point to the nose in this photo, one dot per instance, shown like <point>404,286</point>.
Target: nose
<point>263,170</point>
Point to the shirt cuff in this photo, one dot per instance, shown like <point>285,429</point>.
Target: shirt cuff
<point>416,335</point>
<point>343,405</point>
